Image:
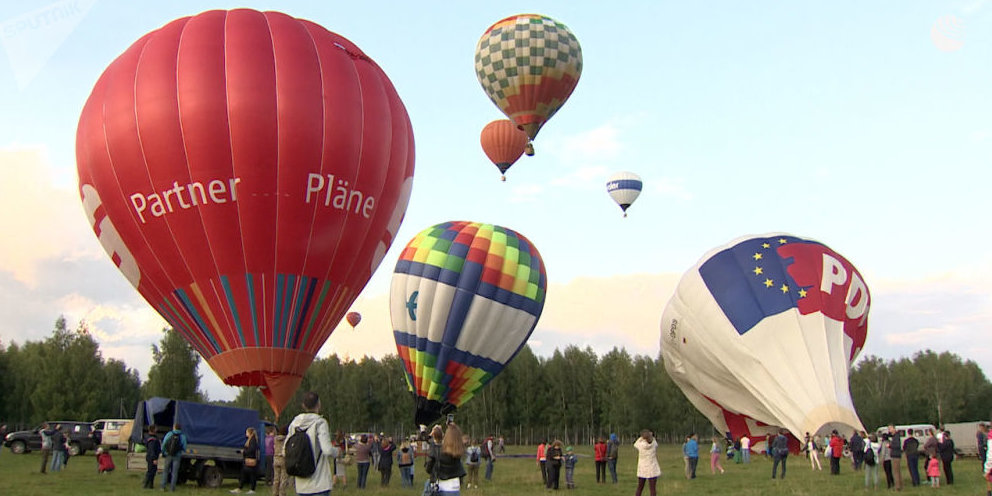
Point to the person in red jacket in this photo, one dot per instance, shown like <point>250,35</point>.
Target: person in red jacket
<point>836,451</point>
<point>542,462</point>
<point>600,456</point>
<point>104,463</point>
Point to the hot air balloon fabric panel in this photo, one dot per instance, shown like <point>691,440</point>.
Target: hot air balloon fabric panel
<point>465,298</point>
<point>247,172</point>
<point>624,188</point>
<point>764,329</point>
<point>528,65</point>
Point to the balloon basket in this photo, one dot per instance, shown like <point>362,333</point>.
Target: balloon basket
<point>529,150</point>
<point>502,178</point>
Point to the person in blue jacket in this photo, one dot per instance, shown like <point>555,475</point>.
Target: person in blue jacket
<point>173,452</point>
<point>691,451</point>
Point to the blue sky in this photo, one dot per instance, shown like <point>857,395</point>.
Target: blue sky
<point>854,123</point>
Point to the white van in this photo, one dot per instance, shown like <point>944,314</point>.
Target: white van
<point>920,431</point>
<point>112,433</point>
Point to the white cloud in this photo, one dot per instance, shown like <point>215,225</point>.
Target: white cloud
<point>525,193</point>
<point>589,177</point>
<point>918,337</point>
<point>674,188</point>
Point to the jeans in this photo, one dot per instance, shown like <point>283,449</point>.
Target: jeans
<point>612,465</point>
<point>871,471</point>
<point>363,474</point>
<point>171,471</point>
<point>782,460</point>
<point>948,473</point>
<point>601,471</point>
<point>693,463</point>
<point>834,465</point>
<point>150,472</point>
<point>58,460</point>
<point>489,468</point>
<point>913,464</point>
<point>746,455</point>
<point>406,475</point>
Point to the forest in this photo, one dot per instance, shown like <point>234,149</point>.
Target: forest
<point>574,394</point>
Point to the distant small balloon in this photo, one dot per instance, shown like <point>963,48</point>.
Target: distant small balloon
<point>354,318</point>
<point>947,34</point>
<point>624,188</point>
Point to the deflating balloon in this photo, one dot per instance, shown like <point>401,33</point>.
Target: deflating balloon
<point>528,65</point>
<point>624,188</point>
<point>354,318</point>
<point>762,333</point>
<point>247,172</point>
<point>503,143</point>
<point>463,301</point>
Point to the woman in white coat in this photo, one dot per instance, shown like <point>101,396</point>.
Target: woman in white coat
<point>647,462</point>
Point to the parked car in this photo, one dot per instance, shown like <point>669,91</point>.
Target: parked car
<point>919,431</point>
<point>111,433</point>
<point>80,441</point>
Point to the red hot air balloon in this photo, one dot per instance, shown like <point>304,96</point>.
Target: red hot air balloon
<point>503,143</point>
<point>354,318</point>
<point>247,172</point>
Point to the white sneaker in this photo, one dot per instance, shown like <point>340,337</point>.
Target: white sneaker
<point>235,491</point>
<point>250,492</point>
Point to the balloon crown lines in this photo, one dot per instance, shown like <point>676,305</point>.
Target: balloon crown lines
<point>331,193</point>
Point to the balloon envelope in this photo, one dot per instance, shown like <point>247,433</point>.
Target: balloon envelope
<point>503,143</point>
<point>464,299</point>
<point>354,318</point>
<point>247,172</point>
<point>528,65</point>
<point>762,332</point>
<point>624,188</point>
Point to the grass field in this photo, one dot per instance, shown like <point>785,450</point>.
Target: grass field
<point>19,475</point>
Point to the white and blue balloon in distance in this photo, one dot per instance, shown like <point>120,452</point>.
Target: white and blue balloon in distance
<point>760,334</point>
<point>624,188</point>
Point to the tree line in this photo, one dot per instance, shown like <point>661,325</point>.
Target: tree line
<point>574,394</point>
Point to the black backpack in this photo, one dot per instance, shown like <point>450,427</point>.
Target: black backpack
<point>870,457</point>
<point>474,457</point>
<point>299,459</point>
<point>173,446</point>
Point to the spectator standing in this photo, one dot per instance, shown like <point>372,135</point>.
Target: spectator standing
<point>153,449</point>
<point>46,446</point>
<point>542,461</point>
<point>745,449</point>
<point>692,453</point>
<point>857,446</point>
<point>473,457</point>
<point>911,449</point>
<point>556,456</point>
<point>836,450</point>
<point>363,457</point>
<point>945,450</point>
<point>648,469</point>
<point>280,477</point>
<point>319,433</point>
<point>270,444</point>
<point>404,460</point>
<point>612,452</point>
<point>599,456</point>
<point>887,461</point>
<point>250,454</point>
<point>502,445</point>
<point>59,452</point>
<point>487,449</point>
<point>813,451</point>
<point>341,462</point>
<point>933,472</point>
<point>570,461</point>
<point>779,448</point>
<point>981,437</point>
<point>386,450</point>
<point>895,452</point>
<point>173,451</point>
<point>871,461</point>
<point>716,450</point>
<point>444,462</point>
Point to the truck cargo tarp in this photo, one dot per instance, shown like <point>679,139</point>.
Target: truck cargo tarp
<point>202,424</point>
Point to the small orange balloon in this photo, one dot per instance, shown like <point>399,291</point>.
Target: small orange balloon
<point>503,143</point>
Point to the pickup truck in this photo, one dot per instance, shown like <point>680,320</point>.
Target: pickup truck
<point>215,436</point>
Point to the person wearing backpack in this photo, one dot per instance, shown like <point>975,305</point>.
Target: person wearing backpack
<point>872,449</point>
<point>153,449</point>
<point>173,446</point>
<point>473,458</point>
<point>404,460</point>
<point>318,442</point>
<point>489,456</point>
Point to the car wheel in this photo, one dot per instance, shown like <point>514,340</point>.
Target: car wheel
<point>75,449</point>
<point>211,477</point>
<point>18,447</point>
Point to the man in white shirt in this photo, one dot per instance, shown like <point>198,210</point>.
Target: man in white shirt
<point>746,449</point>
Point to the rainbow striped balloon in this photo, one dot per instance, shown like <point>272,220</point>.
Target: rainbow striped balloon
<point>464,299</point>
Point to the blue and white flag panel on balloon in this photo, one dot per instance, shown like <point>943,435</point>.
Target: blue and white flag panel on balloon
<point>762,332</point>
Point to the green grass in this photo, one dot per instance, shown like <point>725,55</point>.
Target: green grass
<point>512,476</point>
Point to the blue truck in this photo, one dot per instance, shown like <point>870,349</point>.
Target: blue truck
<point>215,437</point>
